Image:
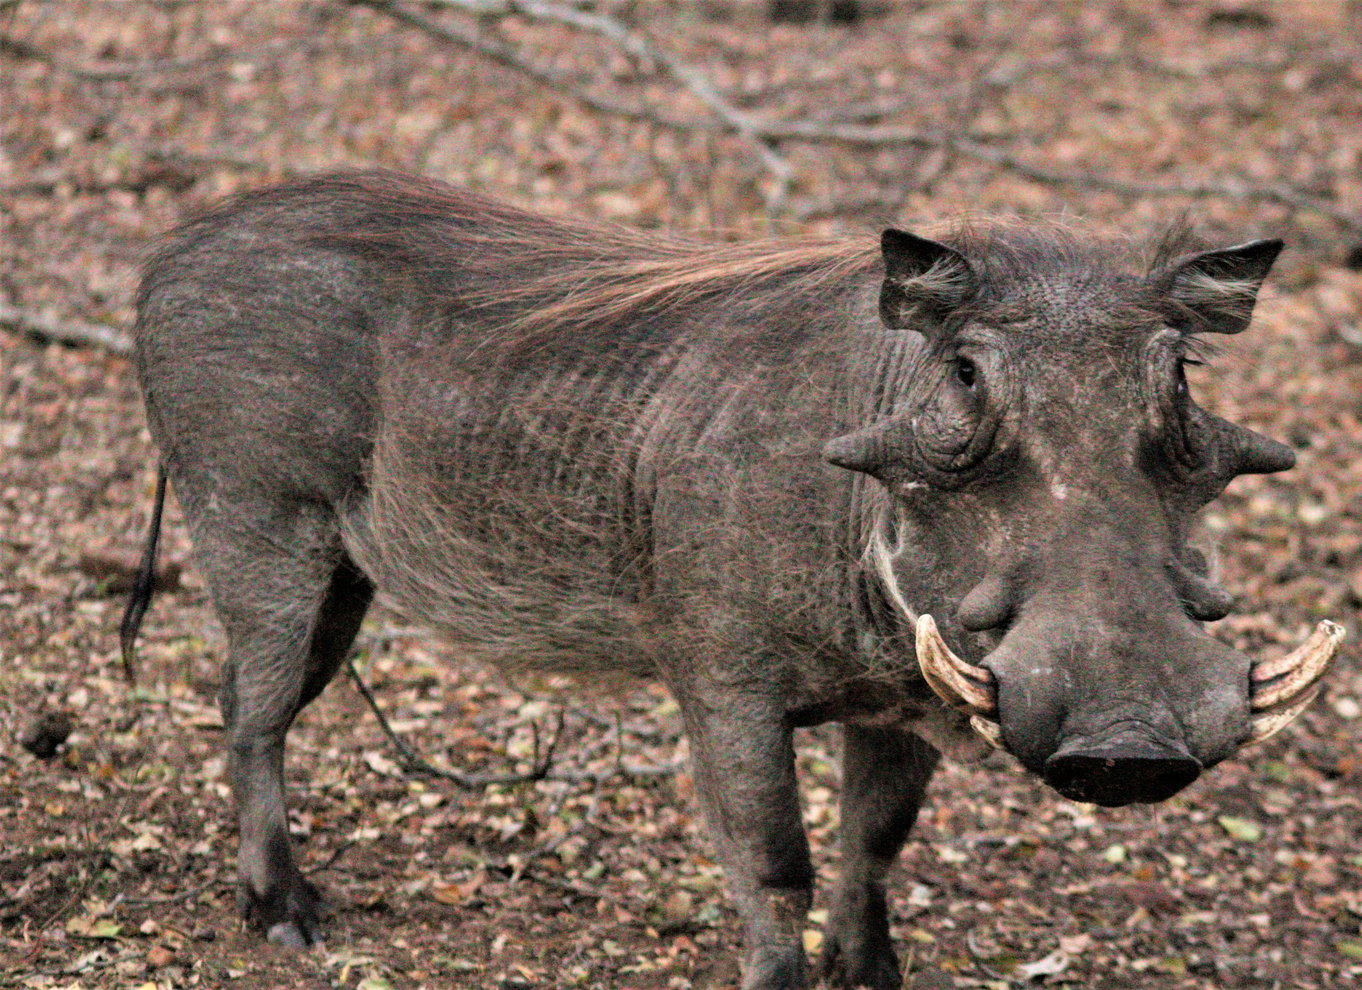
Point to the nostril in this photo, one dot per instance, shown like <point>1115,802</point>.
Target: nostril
<point>1112,776</point>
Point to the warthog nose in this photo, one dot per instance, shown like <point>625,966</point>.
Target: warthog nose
<point>1124,770</point>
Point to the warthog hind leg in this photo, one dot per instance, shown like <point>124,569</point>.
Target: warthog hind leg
<point>291,610</point>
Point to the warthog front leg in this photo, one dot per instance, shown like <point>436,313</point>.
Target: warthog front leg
<point>884,775</point>
<point>744,769</point>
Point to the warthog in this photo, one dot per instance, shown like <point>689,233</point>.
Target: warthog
<point>778,477</point>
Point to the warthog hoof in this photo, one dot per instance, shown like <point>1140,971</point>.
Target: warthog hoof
<point>288,914</point>
<point>776,967</point>
<point>853,959</point>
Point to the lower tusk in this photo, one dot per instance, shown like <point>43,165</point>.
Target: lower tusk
<point>1280,681</point>
<point>991,731</point>
<point>961,685</point>
<point>1267,725</point>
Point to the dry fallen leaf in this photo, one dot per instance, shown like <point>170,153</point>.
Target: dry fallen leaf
<point>1056,962</point>
<point>1241,828</point>
<point>158,956</point>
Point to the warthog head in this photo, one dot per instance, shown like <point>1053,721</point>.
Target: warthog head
<point>1044,461</point>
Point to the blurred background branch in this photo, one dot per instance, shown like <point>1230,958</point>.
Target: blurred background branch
<point>764,133</point>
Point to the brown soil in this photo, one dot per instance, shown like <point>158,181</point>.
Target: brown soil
<point>115,853</point>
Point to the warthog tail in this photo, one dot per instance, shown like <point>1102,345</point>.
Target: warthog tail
<point>143,585</point>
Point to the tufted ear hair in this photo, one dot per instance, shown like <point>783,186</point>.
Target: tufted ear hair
<point>1215,291</point>
<point>922,277</point>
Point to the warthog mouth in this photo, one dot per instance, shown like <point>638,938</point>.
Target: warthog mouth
<point>1130,769</point>
<point>1279,690</point>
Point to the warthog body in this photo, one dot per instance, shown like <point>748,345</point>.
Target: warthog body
<point>750,472</point>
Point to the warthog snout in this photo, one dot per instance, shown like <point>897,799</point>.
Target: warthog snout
<point>1109,718</point>
<point>1127,767</point>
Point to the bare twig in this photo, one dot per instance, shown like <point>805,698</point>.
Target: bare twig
<point>1232,189</point>
<point>333,859</point>
<point>641,47</point>
<point>187,894</point>
<point>636,44</point>
<point>47,328</point>
<point>415,763</point>
<point>883,137</point>
<point>542,769</point>
<point>506,55</point>
<point>124,71</point>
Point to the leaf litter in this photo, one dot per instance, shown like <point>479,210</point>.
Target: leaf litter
<point>116,866</point>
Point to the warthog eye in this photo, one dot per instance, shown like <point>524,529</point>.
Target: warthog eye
<point>1191,436</point>
<point>1179,440</point>
<point>1183,391</point>
<point>949,432</point>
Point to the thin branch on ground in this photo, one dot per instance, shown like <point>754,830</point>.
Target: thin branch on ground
<point>634,43</point>
<point>415,763</point>
<point>48,329</point>
<point>508,56</point>
<point>333,859</point>
<point>184,895</point>
<point>884,137</point>
<point>542,769</point>
<point>223,60</point>
<point>691,79</point>
<point>1230,189</point>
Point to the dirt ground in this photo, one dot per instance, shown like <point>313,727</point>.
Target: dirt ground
<point>118,119</point>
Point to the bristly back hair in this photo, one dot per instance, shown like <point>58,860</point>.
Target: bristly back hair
<point>553,275</point>
<point>613,293</point>
<point>540,280</point>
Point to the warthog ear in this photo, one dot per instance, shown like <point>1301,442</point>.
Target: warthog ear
<point>921,275</point>
<point>1216,290</point>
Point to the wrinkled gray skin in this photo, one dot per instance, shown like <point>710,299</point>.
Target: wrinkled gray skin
<point>333,375</point>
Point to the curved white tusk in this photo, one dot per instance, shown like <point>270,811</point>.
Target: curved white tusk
<point>1279,682</point>
<point>990,730</point>
<point>1267,725</point>
<point>961,685</point>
